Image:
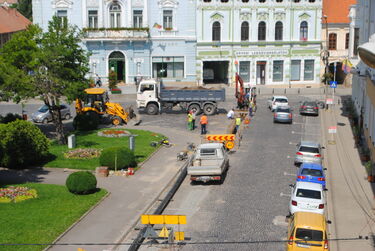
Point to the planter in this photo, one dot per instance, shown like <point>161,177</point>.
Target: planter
<point>370,178</point>
<point>102,171</point>
<point>116,91</point>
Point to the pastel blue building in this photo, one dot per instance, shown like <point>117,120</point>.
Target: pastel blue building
<point>154,38</point>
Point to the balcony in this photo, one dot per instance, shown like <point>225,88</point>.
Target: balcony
<point>130,34</point>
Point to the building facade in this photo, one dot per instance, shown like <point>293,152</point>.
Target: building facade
<point>269,42</point>
<point>134,38</point>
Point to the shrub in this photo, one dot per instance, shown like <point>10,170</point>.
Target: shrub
<point>86,122</point>
<point>112,80</point>
<point>23,144</point>
<point>82,182</point>
<point>10,117</point>
<point>117,157</point>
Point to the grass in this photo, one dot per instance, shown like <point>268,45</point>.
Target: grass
<point>43,219</point>
<point>92,140</point>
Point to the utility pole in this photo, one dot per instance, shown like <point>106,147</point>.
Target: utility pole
<point>325,58</point>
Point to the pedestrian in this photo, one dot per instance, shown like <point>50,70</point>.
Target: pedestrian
<point>203,122</point>
<point>189,120</point>
<point>251,109</point>
<point>238,123</point>
<point>98,82</point>
<point>193,114</point>
<point>230,114</point>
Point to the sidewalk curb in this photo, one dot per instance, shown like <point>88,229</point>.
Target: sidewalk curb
<point>78,221</point>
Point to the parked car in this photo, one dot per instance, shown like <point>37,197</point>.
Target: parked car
<point>283,114</point>
<point>309,107</point>
<point>307,197</point>
<point>311,172</point>
<point>307,231</point>
<point>308,151</point>
<point>43,114</point>
<point>276,101</point>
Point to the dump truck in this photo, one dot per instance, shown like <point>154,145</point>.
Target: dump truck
<point>97,101</point>
<point>153,96</point>
<point>209,162</point>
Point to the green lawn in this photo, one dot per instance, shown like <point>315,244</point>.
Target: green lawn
<point>92,140</point>
<point>43,219</point>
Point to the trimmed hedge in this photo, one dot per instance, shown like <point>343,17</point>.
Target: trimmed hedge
<point>86,122</point>
<point>117,157</point>
<point>22,144</point>
<point>82,182</point>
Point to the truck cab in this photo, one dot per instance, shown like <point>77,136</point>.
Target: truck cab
<point>147,96</point>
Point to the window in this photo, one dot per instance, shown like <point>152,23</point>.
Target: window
<point>245,31</point>
<point>207,1</point>
<point>224,1</point>
<point>303,31</point>
<point>262,1</point>
<point>356,41</point>
<point>245,1</point>
<point>332,41</point>
<point>137,18</point>
<point>296,1</point>
<point>279,31</point>
<point>216,30</point>
<point>245,70</point>
<point>278,69</point>
<point>63,16</point>
<point>168,19</point>
<point>309,234</point>
<point>262,31</point>
<point>309,70</point>
<point>115,15</point>
<point>311,194</point>
<point>295,70</point>
<point>168,67</point>
<point>347,41</point>
<point>279,1</point>
<point>311,1</point>
<point>93,19</point>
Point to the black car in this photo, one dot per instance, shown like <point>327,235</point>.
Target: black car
<point>309,107</point>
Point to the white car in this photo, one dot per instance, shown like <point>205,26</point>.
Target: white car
<point>276,101</point>
<point>307,197</point>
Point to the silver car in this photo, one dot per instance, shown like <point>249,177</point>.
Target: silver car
<point>43,115</point>
<point>283,114</point>
<point>308,151</point>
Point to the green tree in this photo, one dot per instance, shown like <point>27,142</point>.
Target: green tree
<point>50,65</point>
<point>25,8</point>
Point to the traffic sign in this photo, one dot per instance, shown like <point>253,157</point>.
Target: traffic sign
<point>333,84</point>
<point>332,129</point>
<point>229,144</point>
<point>220,137</point>
<point>329,101</point>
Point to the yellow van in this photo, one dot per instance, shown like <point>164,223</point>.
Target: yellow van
<point>307,231</point>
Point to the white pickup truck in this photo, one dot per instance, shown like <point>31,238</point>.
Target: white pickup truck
<point>210,162</point>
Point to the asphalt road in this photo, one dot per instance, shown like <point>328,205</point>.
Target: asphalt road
<point>252,203</point>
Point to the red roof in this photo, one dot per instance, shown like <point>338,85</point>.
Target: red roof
<point>337,11</point>
<point>11,20</point>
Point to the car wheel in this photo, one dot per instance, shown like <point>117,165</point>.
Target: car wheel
<point>67,116</point>
<point>45,121</point>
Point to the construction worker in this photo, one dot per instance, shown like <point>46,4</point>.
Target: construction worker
<point>193,114</point>
<point>203,122</point>
<point>190,120</point>
<point>238,123</point>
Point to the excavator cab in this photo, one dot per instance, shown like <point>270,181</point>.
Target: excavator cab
<point>96,98</point>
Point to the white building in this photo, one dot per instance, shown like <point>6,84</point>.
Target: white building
<point>269,42</point>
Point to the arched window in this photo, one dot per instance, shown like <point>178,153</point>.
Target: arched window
<point>332,43</point>
<point>311,1</point>
<point>216,31</point>
<point>296,1</point>
<point>262,31</point>
<point>262,1</point>
<point>207,1</point>
<point>245,31</point>
<point>115,15</point>
<point>245,1</point>
<point>279,1</point>
<point>279,31</point>
<point>303,31</point>
<point>224,1</point>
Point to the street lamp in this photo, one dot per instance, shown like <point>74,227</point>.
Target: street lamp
<point>325,57</point>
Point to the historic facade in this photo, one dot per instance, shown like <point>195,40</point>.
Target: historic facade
<point>269,42</point>
<point>134,38</point>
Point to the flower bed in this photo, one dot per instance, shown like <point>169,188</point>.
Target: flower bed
<point>113,133</point>
<point>83,153</point>
<point>16,194</point>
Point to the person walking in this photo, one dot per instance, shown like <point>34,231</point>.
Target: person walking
<point>203,122</point>
<point>230,114</point>
<point>193,114</point>
<point>251,109</point>
<point>98,82</point>
<point>190,120</point>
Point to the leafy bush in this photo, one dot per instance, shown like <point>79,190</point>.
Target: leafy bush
<point>86,122</point>
<point>10,117</point>
<point>23,144</point>
<point>117,157</point>
<point>82,182</point>
<point>112,80</point>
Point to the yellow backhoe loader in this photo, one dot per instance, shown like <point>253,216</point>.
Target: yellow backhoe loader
<point>97,101</point>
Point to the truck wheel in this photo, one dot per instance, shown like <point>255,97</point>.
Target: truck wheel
<point>152,109</point>
<point>209,109</point>
<point>116,121</point>
<point>195,108</point>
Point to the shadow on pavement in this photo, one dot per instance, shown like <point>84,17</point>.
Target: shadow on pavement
<point>16,176</point>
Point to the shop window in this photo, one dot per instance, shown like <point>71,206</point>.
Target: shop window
<point>168,67</point>
<point>245,70</point>
<point>278,70</point>
<point>308,70</point>
<point>295,70</point>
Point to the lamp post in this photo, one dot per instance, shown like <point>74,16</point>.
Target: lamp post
<point>325,57</point>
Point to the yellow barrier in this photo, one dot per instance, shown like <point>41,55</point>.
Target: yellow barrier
<point>163,219</point>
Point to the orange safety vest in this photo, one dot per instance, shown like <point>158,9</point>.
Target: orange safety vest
<point>204,120</point>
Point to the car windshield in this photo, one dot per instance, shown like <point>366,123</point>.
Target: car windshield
<point>306,193</point>
<point>208,152</point>
<point>309,234</point>
<point>282,109</point>
<point>310,104</point>
<point>281,100</point>
<point>43,109</point>
<point>312,172</point>
<point>308,149</point>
